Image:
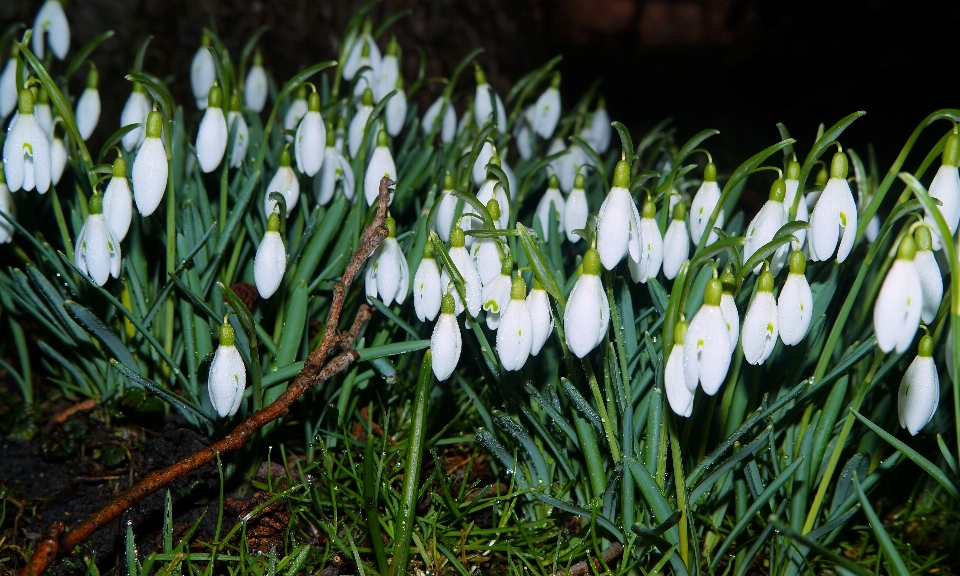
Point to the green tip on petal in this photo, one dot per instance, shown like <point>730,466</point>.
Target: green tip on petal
<point>448,181</point>
<point>822,177</point>
<point>273,222</point>
<point>621,175</point>
<point>391,225</point>
<point>728,282</point>
<point>924,238</point>
<point>591,262</point>
<point>25,102</point>
<point>601,103</point>
<point>506,266</point>
<point>926,347</point>
<point>766,281</point>
<point>342,122</point>
<point>258,58</point>
<point>536,284</point>
<point>365,50</point>
<point>553,182</point>
<point>93,77</point>
<point>951,151</point>
<point>495,159</point>
<point>793,170</point>
<point>478,74</point>
<point>649,209</point>
<point>226,334</point>
<point>154,124</point>
<point>285,157</point>
<point>96,204</point>
<point>215,97</point>
<point>798,263</point>
<point>428,250</point>
<point>313,102</point>
<point>382,138</point>
<point>42,96</point>
<point>119,168</point>
<point>393,48</point>
<point>447,305</point>
<point>680,211</point>
<point>580,181</point>
<point>518,290</point>
<point>839,166</point>
<point>457,238</point>
<point>778,190</point>
<point>331,134</point>
<point>555,81</point>
<point>712,293</point>
<point>367,98</point>
<point>679,332</point>
<point>710,172</point>
<point>367,26</point>
<point>205,39</point>
<point>235,101</point>
<point>907,249</point>
<point>301,92</point>
<point>493,207</point>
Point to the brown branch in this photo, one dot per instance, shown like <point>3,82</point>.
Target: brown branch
<point>317,368</point>
<point>608,555</point>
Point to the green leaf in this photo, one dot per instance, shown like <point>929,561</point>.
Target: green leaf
<point>540,270</point>
<point>186,408</point>
<point>115,139</point>
<point>820,548</point>
<point>249,326</point>
<point>889,550</point>
<point>625,140</point>
<point>141,53</point>
<point>392,349</point>
<point>99,330</point>
<point>571,508</point>
<point>158,91</point>
<point>541,476</point>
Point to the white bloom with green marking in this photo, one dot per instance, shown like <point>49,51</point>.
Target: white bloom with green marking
<point>241,138</point>
<point>706,347</point>
<point>728,308</point>
<point>150,168</point>
<point>311,138</point>
<point>472,286</point>
<point>618,223</point>
<point>760,325</point>
<point>88,105</point>
<point>118,201</point>
<point>795,303</point>
<point>97,251</point>
<point>541,317</point>
<point>388,277</point>
<point>51,21</point>
<point>945,187</point>
<point>676,242</point>
<point>896,313</point>
<point>446,342</point>
<point>26,150</point>
<point>587,315</point>
<point>228,375</point>
<point>427,290</point>
<point>447,210</point>
<point>834,213</point>
<point>212,135</point>
<point>271,260</point>
<point>545,114</point>
<point>765,225</point>
<point>515,331</point>
<point>381,166</point>
<point>492,189</point>
<point>704,203</point>
<point>679,395</point>
<point>919,393</point>
<point>496,295</point>
<point>651,247</point>
<point>931,280</point>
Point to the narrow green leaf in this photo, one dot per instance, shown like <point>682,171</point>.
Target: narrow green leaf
<point>184,406</point>
<point>99,330</point>
<point>392,349</point>
<point>889,550</point>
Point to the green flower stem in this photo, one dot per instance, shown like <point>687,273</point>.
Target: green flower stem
<point>61,223</point>
<point>601,407</point>
<point>168,317</point>
<point>626,417</point>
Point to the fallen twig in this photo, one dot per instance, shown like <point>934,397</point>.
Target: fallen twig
<point>609,554</point>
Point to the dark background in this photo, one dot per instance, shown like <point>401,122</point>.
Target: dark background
<point>739,66</point>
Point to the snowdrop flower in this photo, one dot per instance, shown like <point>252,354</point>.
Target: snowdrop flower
<point>388,73</point>
<point>448,126</point>
<point>465,124</point>
<point>381,164</point>
<point>367,73</point>
<point>819,184</point>
<point>117,201</point>
<point>728,308</point>
<point>523,137</point>
<point>551,201</point>
<point>51,21</point>
<point>7,207</point>
<point>88,105</point>
<point>676,242</point>
<point>896,314</point>
<point>241,136</point>
<point>679,396</point>
<point>446,211</point>
<point>515,334</point>
<point>511,177</point>
<point>576,211</point>
<point>760,324</point>
<point>8,85</point>
<point>945,187</point>
<point>703,205</point>
<point>212,135</point>
<point>150,168</point>
<point>295,112</point>
<point>492,188</point>
<point>335,169</point>
<point>359,122</point>
<point>135,111</point>
<point>873,228</point>
<point>285,182</point>
<point>228,375</point>
<point>387,273</point>
<point>58,160</point>
<point>803,213</point>
<point>97,252</point>
<point>255,84</point>
<point>363,42</point>
<point>486,153</point>
<point>486,252</point>
<point>835,209</point>
<point>541,317</point>
<point>445,342</point>
<point>587,314</point>
<point>472,287</point>
<point>651,246</point>
<point>546,112</point>
<point>203,71</point>
<point>567,166</point>
<point>396,111</point>
<point>311,138</point>
<point>706,347</point>
<point>931,281</point>
<point>795,304</point>
<point>765,225</point>
<point>618,223</point>
<point>26,150</point>
<point>484,101</point>
<point>271,260</point>
<point>597,133</point>
<point>919,393</point>
<point>427,290</point>
<point>496,294</point>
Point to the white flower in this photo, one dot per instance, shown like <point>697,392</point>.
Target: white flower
<point>486,251</point>
<point>58,160</point>
<point>212,135</point>
<point>931,281</point>
<point>311,138</point>
<point>203,71</point>
<point>285,182</point>
<point>546,112</point>
<point>387,274</point>
<point>367,72</point>
<point>728,308</point>
<point>472,286</point>
<point>295,112</point>
<point>651,247</point>
<point>479,171</point>
<point>896,314</point>
<point>97,252</point>
<point>396,110</point>
<point>135,111</point>
<point>117,201</point>
<point>567,166</point>
<point>703,205</point>
<point>8,87</point>
<point>7,207</point>
<point>515,334</point>
<point>511,178</point>
<point>362,46</point>
<point>706,347</point>
<point>551,200</point>
<point>271,260</point>
<point>427,290</point>
<point>492,188</point>
<point>51,21</point>
<point>587,314</point>
<point>524,138</point>
<point>447,209</point>
<point>674,381</point>
<point>873,228</point>
<point>597,133</point>
<point>228,375</point>
<point>795,304</point>
<point>676,242</point>
<point>381,164</point>
<point>88,105</point>
<point>760,324</point>
<point>541,317</point>
<point>26,150</point>
<point>618,223</point>
<point>945,187</point>
<point>919,393</point>
<point>765,225</point>
<point>484,101</point>
<point>255,85</point>
<point>835,209</point>
<point>448,127</point>
<point>496,295</point>
<point>150,168</point>
<point>241,137</point>
<point>445,342</point>
<point>577,210</point>
<point>335,169</point>
<point>358,123</point>
<point>388,72</point>
<point>803,213</point>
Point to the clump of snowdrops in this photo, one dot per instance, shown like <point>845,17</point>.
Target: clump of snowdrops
<point>700,386</point>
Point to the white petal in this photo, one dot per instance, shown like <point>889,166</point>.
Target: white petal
<point>731,318</point>
<point>446,212</point>
<point>676,248</point>
<point>381,164</point>
<point>541,318</point>
<point>614,224</point>
<point>391,273</point>
<point>134,112</point>
<point>679,396</point>
<point>396,112</point>
<point>586,316</point>
<point>480,164</point>
<point>760,328</point>
<point>58,160</point>
<point>651,252</point>
<point>118,207</point>
<point>357,125</point>
<point>515,335</point>
<point>427,292</point>
<point>88,112</point>
<point>8,88</point>
<point>227,380</point>
<point>483,110</point>
<point>487,259</point>
<point>546,113</point>
<point>702,207</point>
<point>919,394</point>
<point>803,213</point>
<point>471,278</point>
<point>269,264</point>
<point>762,229</point>
<point>295,112</point>
<point>706,350</point>
<point>575,213</point>
<point>896,314</point>
<point>309,143</point>
<point>600,130</point>
<point>496,297</point>
<point>551,200</point>
<point>945,187</point>
<point>211,139</point>
<point>52,21</point>
<point>202,75</point>
<point>94,248</point>
<point>325,182</point>
<point>794,309</point>
<point>285,182</point>
<point>931,284</point>
<point>238,151</point>
<point>445,344</point>
<point>149,176</point>
<point>8,207</point>
<point>255,89</point>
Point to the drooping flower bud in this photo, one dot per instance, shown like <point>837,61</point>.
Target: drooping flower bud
<point>311,138</point>
<point>97,252</point>
<point>285,182</point>
<point>212,135</point>
<point>706,347</point>
<point>445,342</point>
<point>51,21</point>
<point>835,211</point>
<point>228,375</point>
<point>236,123</point>
<point>765,225</point>
<point>896,314</point>
<point>387,275</point>
<point>931,281</point>
<point>203,71</point>
<point>551,201</point>
<point>704,203</point>
<point>515,332</point>
<point>618,223</point>
<point>381,165</point>
<point>676,242</point>
<point>427,290</point>
<point>546,111</point>
<point>577,210</point>
<point>795,304</point>
<point>945,187</point>
<point>485,101</point>
<point>255,84</point>
<point>150,168</point>
<point>919,393</point>
<point>135,111</point>
<point>587,315</point>
<point>541,317</point>
<point>118,201</point>
<point>26,150</point>
<point>651,246</point>
<point>760,325</point>
<point>355,137</point>
<point>88,105</point>
<point>271,260</point>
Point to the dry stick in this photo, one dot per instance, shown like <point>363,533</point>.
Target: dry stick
<point>57,544</point>
<point>608,555</point>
